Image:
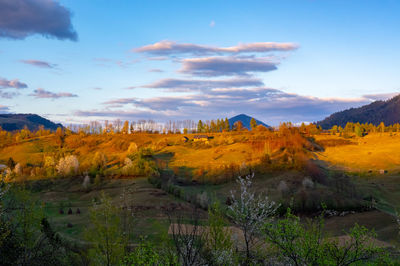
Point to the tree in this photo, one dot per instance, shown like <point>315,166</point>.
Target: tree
<point>238,126</point>
<point>105,233</point>
<point>125,127</point>
<point>253,124</point>
<point>68,165</point>
<point>227,127</point>
<point>297,243</point>
<point>218,238</point>
<point>11,163</point>
<point>200,127</point>
<point>358,131</point>
<point>249,212</point>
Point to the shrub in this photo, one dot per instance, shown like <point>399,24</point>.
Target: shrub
<point>68,166</point>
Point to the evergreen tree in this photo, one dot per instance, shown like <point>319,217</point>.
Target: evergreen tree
<point>253,124</point>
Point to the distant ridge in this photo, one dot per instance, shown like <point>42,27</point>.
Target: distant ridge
<point>245,119</point>
<point>11,122</point>
<point>387,112</point>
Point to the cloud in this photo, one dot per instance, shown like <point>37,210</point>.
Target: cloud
<point>156,70</point>
<point>172,48</point>
<point>22,18</point>
<point>38,63</point>
<point>42,93</point>
<point>15,83</point>
<point>8,95</point>
<point>212,24</point>
<point>97,88</point>
<point>226,66</point>
<point>4,109</point>
<point>381,96</point>
<point>270,105</point>
<point>199,84</point>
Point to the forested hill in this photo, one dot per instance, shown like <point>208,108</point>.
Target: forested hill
<point>245,119</point>
<point>376,112</point>
<point>12,122</point>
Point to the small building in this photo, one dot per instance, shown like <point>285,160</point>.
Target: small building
<point>200,138</point>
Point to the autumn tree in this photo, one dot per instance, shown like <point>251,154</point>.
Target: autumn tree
<point>238,126</point>
<point>125,127</point>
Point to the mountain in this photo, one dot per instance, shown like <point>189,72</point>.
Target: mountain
<point>12,122</point>
<point>387,112</point>
<point>245,121</point>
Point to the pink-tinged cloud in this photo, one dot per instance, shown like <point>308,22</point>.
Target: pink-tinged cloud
<point>199,84</point>
<point>22,18</point>
<point>15,83</point>
<point>170,48</point>
<point>44,94</point>
<point>227,66</point>
<point>4,108</point>
<point>270,105</point>
<point>38,63</point>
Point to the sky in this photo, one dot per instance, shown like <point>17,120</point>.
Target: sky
<point>75,61</point>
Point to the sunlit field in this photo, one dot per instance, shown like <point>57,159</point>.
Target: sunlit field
<point>374,153</point>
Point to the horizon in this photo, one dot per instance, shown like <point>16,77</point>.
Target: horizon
<point>274,61</point>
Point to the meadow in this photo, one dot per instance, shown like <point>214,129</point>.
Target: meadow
<point>150,175</point>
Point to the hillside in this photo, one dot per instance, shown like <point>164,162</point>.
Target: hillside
<point>245,119</point>
<point>11,122</point>
<point>376,112</point>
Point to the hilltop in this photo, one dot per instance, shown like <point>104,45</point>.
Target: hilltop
<point>11,122</point>
<point>376,112</point>
<point>245,119</point>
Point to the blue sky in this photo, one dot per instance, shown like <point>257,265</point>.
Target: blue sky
<point>94,60</point>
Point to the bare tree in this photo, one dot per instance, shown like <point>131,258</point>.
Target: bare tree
<point>187,238</point>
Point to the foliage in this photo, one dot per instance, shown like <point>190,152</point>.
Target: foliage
<point>105,233</point>
<point>146,254</point>
<point>219,246</point>
<point>305,244</point>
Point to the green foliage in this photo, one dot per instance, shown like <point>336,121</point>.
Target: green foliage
<point>147,254</point>
<point>26,237</point>
<point>219,246</point>
<point>140,163</point>
<point>305,244</point>
<point>105,233</point>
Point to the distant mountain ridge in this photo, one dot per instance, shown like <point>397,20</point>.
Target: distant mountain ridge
<point>11,122</point>
<point>387,112</point>
<point>245,119</point>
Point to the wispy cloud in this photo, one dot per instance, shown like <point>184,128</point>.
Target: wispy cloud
<point>42,93</point>
<point>212,24</point>
<point>4,108</point>
<point>170,48</point>
<point>199,84</point>
<point>38,63</point>
<point>270,105</point>
<point>15,83</point>
<point>8,95</point>
<point>381,96</point>
<point>226,66</point>
<point>156,70</point>
<point>21,18</point>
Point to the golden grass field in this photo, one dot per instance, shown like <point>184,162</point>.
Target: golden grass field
<point>374,152</point>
